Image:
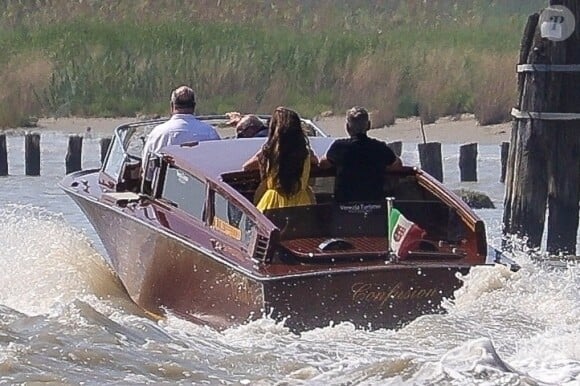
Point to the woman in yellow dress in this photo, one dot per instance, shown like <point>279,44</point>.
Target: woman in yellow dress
<point>284,162</point>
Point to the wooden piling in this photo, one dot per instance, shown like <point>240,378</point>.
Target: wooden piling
<point>431,160</point>
<point>3,156</point>
<point>429,153</point>
<point>397,147</point>
<point>468,162</point>
<point>32,154</point>
<point>73,159</point>
<point>105,143</point>
<point>544,154</point>
<point>504,152</point>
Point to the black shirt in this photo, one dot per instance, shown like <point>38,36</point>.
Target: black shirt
<point>360,164</point>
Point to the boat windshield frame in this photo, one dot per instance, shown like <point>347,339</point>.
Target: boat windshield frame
<point>119,158</point>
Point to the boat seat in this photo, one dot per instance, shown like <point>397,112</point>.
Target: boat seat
<point>327,220</point>
<point>326,231</point>
<point>312,250</point>
<point>305,230</point>
<point>309,249</point>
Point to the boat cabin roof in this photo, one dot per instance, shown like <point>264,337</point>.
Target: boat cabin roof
<point>215,158</point>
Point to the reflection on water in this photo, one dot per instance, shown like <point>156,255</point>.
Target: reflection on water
<point>66,319</point>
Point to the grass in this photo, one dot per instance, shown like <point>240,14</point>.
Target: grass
<point>397,58</point>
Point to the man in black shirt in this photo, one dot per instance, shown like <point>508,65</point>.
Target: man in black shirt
<point>360,161</point>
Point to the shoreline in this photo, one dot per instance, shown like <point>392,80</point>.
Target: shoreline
<point>446,130</point>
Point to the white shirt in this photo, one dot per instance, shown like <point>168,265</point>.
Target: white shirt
<point>180,128</point>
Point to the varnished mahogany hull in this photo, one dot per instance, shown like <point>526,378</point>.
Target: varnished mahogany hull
<point>161,272</point>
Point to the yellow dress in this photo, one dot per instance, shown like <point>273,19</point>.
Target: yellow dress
<point>272,199</point>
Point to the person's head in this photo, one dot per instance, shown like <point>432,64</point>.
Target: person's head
<point>357,121</point>
<point>182,100</point>
<point>285,150</point>
<point>284,120</point>
<point>248,126</point>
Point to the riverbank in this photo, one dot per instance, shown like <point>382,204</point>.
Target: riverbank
<point>398,58</point>
<point>445,130</point>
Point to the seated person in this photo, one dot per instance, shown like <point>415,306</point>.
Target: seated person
<point>360,161</point>
<point>180,128</point>
<point>247,126</point>
<point>284,162</point>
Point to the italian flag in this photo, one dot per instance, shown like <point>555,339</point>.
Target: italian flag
<point>403,234</point>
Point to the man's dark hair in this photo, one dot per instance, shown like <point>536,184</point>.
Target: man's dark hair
<point>357,120</point>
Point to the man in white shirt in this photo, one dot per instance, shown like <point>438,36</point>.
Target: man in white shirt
<point>182,127</point>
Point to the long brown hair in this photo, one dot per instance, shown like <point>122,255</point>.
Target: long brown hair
<point>285,151</point>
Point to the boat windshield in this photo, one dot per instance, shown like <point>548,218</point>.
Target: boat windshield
<point>129,139</point>
<point>123,161</point>
<point>127,146</point>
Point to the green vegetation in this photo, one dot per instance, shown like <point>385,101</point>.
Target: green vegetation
<point>97,58</point>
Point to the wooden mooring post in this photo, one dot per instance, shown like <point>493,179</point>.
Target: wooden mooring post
<point>544,158</point>
<point>32,154</point>
<point>431,159</point>
<point>468,162</point>
<point>504,152</point>
<point>74,154</point>
<point>3,156</point>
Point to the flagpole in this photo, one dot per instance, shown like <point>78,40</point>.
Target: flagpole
<point>392,256</point>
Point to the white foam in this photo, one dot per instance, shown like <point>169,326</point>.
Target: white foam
<point>46,262</point>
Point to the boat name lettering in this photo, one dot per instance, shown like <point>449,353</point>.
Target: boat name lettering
<point>360,208</point>
<point>370,292</point>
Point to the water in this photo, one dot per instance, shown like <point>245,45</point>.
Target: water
<point>65,318</point>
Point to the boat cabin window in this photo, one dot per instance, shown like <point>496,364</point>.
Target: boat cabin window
<point>231,220</point>
<point>184,191</point>
<point>115,159</point>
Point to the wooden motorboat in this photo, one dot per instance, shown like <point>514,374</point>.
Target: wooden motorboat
<point>191,241</point>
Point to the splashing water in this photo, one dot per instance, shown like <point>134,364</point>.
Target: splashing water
<point>46,262</point>
<point>502,327</point>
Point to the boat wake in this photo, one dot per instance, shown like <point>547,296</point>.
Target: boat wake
<point>60,304</point>
<point>47,264</point>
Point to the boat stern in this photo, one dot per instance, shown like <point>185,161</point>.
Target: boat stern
<point>387,298</point>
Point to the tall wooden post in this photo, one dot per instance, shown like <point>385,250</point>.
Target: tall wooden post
<point>544,156</point>
<point>3,156</point>
<point>468,162</point>
<point>73,158</point>
<point>504,153</point>
<point>32,154</point>
<point>431,159</point>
